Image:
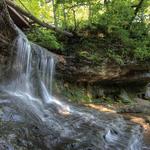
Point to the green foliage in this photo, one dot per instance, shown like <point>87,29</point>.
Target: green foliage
<point>117,14</point>
<point>142,53</point>
<point>77,95</point>
<point>139,30</point>
<point>43,37</point>
<point>72,92</point>
<point>141,47</point>
<point>115,57</point>
<point>116,20</point>
<point>95,58</point>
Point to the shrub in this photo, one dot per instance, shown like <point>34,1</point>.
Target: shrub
<point>44,37</point>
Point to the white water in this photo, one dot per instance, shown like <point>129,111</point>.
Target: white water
<point>80,125</point>
<point>22,69</point>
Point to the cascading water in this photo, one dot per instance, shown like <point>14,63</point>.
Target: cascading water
<point>69,127</point>
<point>21,66</point>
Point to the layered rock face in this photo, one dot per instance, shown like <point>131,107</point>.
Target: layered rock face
<point>105,79</point>
<point>75,70</point>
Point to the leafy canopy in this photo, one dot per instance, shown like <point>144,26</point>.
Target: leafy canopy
<point>127,21</point>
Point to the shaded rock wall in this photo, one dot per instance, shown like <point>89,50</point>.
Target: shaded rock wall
<point>74,70</point>
<point>7,34</point>
<point>103,81</point>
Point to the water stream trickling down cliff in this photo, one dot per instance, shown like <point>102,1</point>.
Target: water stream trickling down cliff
<point>68,127</point>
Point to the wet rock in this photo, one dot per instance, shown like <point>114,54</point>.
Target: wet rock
<point>140,106</point>
<point>9,114</point>
<point>125,97</point>
<point>5,146</point>
<point>147,119</point>
<point>147,94</point>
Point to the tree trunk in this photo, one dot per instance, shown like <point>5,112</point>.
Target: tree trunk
<point>74,17</point>
<point>7,28</point>
<point>90,13</point>
<point>7,33</point>
<point>65,17</point>
<point>54,13</point>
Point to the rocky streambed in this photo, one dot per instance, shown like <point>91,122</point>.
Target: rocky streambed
<point>139,113</point>
<point>31,118</point>
<point>81,129</point>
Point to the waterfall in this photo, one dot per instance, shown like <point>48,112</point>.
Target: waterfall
<point>31,88</point>
<point>21,66</point>
<point>46,66</point>
<point>30,60</point>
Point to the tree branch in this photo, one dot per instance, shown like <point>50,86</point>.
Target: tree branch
<point>36,20</point>
<point>137,8</point>
<point>77,5</point>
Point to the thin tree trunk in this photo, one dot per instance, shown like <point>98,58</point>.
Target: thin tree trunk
<point>74,17</point>
<point>54,13</point>
<point>90,13</point>
<point>65,17</point>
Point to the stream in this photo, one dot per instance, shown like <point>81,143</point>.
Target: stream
<point>31,118</point>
